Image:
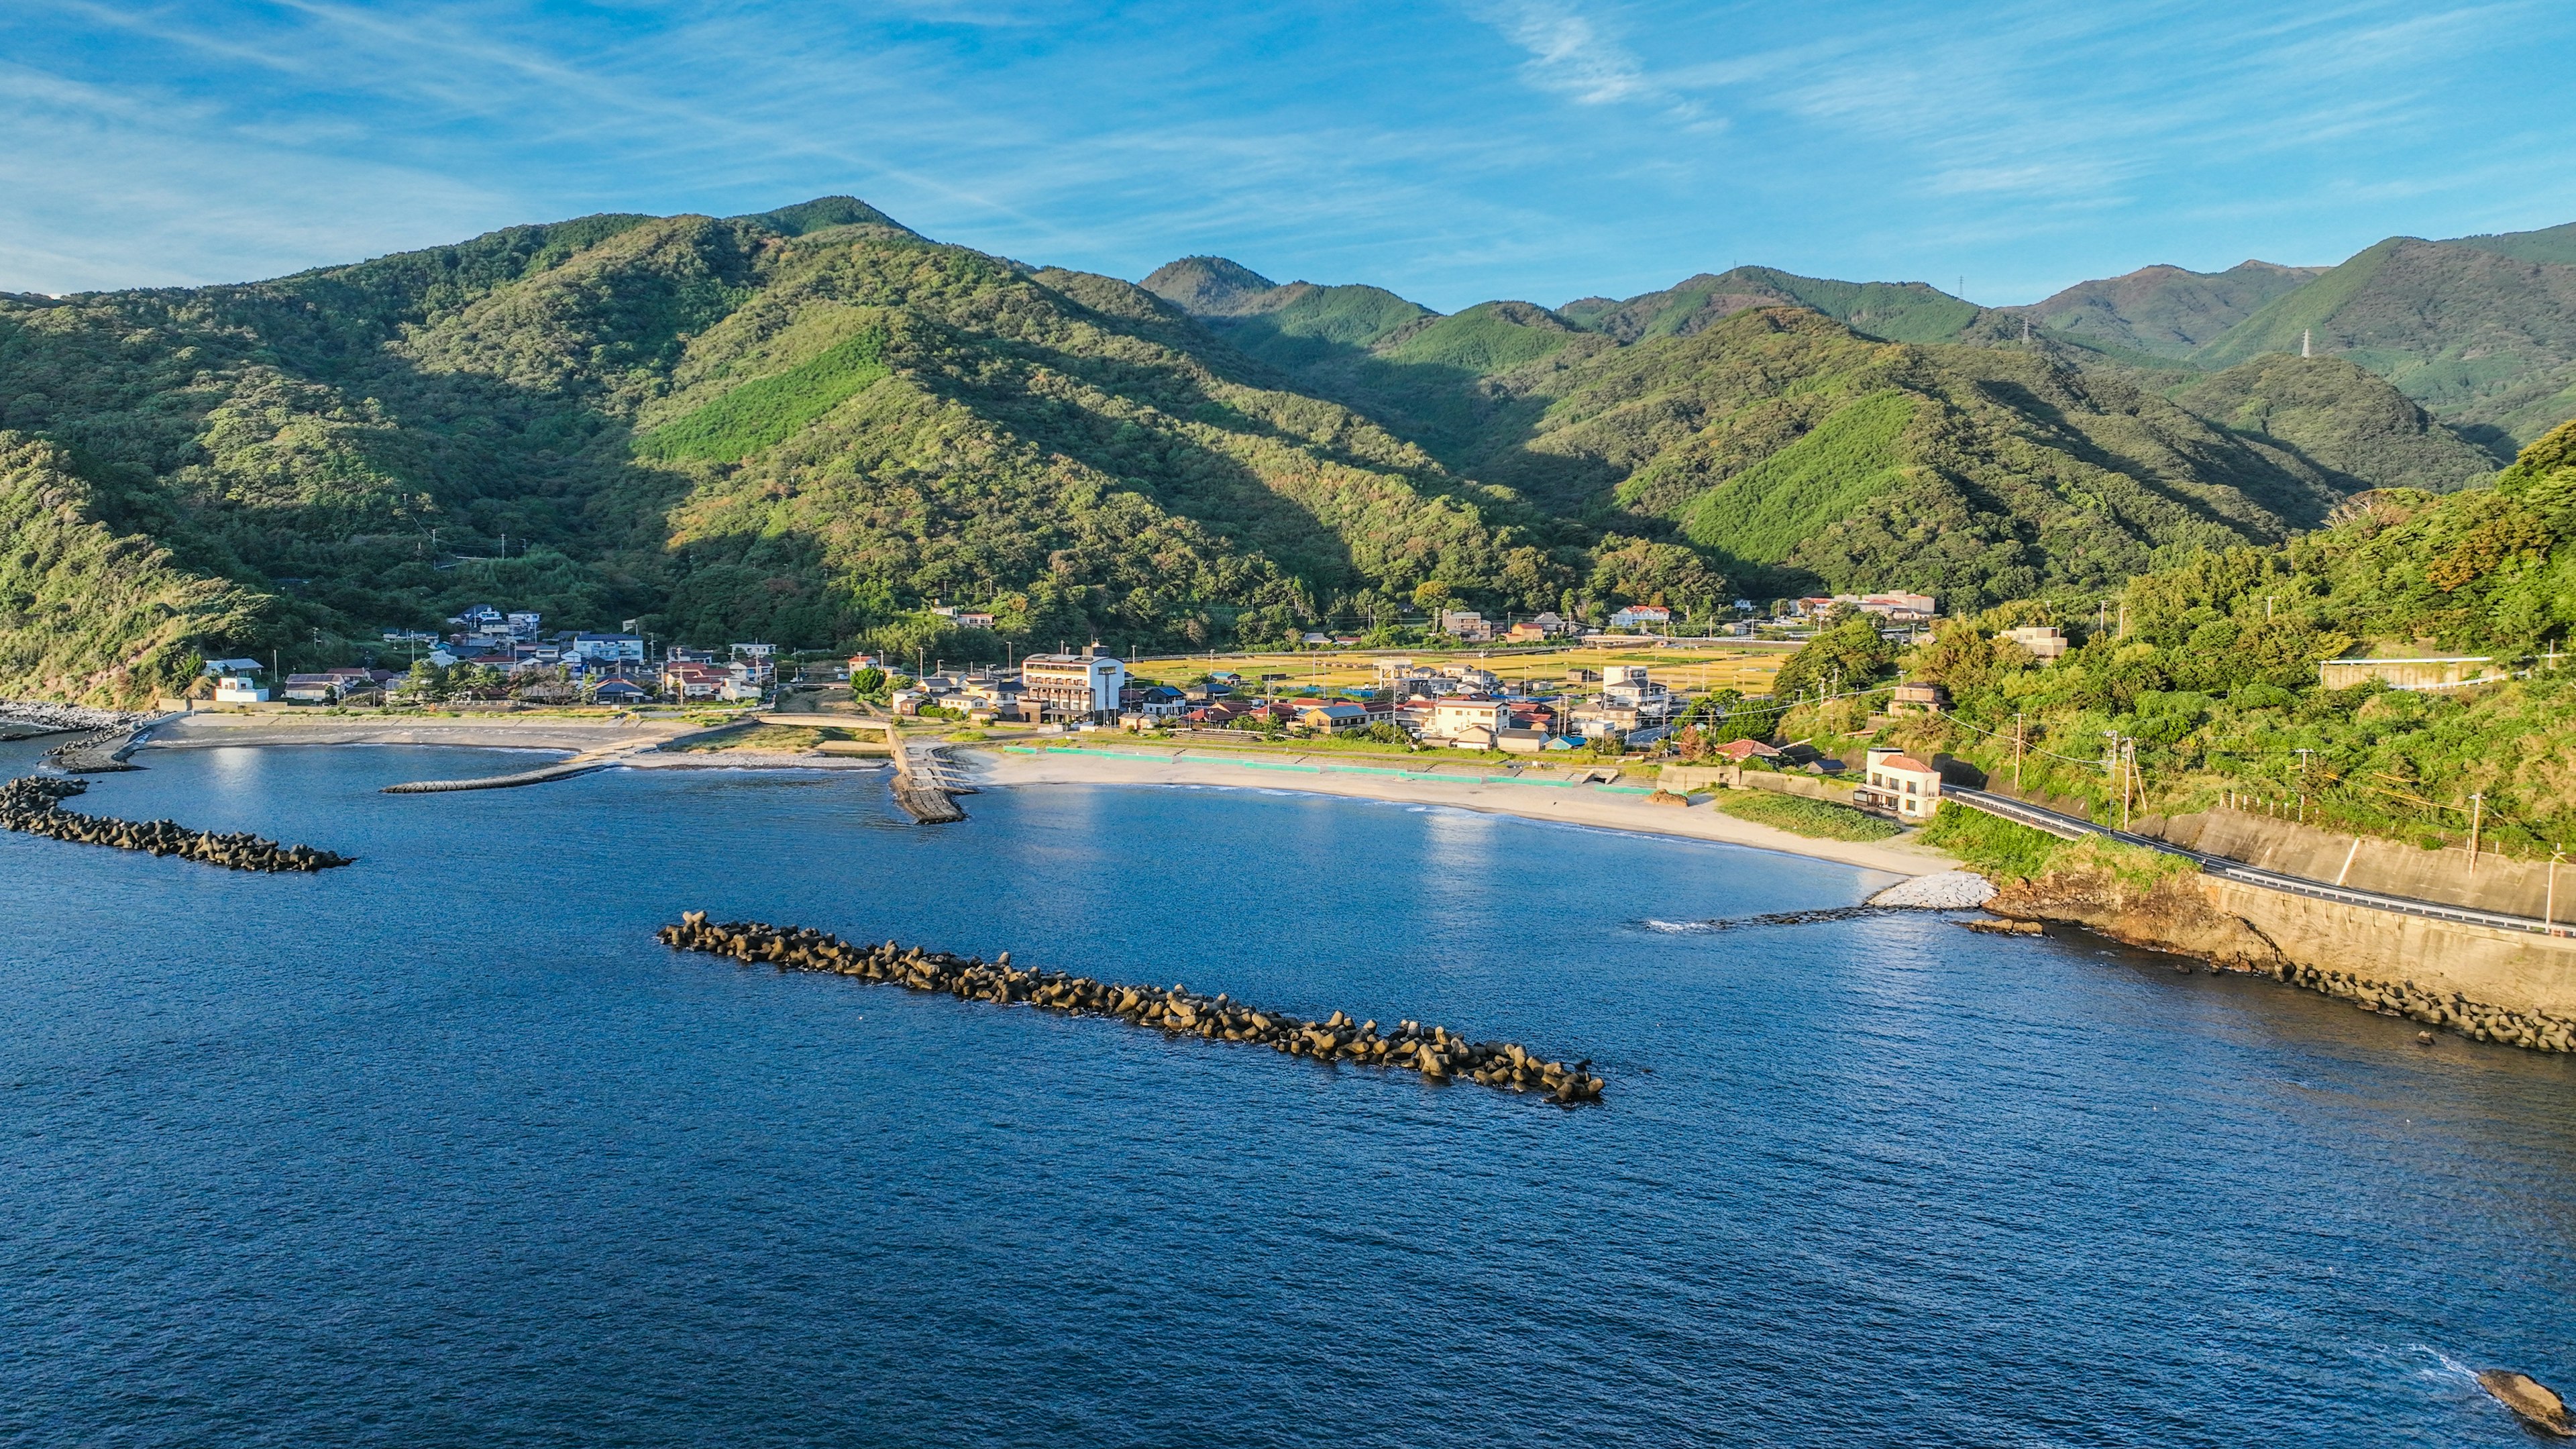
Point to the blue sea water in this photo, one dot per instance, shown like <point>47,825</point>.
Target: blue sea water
<point>443,1149</point>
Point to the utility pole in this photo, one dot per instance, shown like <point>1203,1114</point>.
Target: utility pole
<point>2129,777</point>
<point>2477,817</point>
<point>2111,755</point>
<point>2549,910</point>
<point>2017,733</point>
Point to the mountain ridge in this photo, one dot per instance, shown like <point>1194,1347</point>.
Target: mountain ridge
<point>805,424</point>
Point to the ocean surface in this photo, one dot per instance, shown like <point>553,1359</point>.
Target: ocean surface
<point>444,1149</point>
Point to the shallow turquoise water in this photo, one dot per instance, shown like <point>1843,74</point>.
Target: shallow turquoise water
<point>444,1149</point>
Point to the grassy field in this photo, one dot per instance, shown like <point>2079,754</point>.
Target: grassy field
<point>1748,670</point>
<point>1815,819</point>
<point>797,738</point>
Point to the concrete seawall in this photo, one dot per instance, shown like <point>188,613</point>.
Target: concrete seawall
<point>2514,986</point>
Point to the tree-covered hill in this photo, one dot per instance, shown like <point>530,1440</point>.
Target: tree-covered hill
<point>807,425</point>
<point>2211,666</point>
<point>801,426</point>
<point>1895,311</point>
<point>2165,311</point>
<point>2340,418</point>
<point>1788,448</point>
<point>2482,333</point>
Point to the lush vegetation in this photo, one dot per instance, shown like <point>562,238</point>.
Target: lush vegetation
<point>2210,670</point>
<point>2482,336</point>
<point>771,409</point>
<point>2339,418</point>
<point>1799,815</point>
<point>2165,311</point>
<point>809,425</point>
<point>89,613</point>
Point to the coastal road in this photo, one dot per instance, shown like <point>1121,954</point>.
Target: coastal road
<point>2070,827</point>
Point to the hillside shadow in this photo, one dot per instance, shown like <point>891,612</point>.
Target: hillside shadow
<point>2278,494</point>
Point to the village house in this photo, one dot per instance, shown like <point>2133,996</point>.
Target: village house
<point>1641,616</point>
<point>2042,640</point>
<point>1900,785</point>
<point>237,681</point>
<point>1452,717</point>
<point>1152,701</point>
<point>1401,679</point>
<point>1626,686</point>
<point>1916,697</point>
<point>1474,737</point>
<point>1736,752</point>
<point>1220,714</point>
<point>686,679</point>
<point>1333,719</point>
<point>607,650</point>
<point>1466,625</point>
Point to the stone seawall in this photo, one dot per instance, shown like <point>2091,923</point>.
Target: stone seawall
<point>2516,987</point>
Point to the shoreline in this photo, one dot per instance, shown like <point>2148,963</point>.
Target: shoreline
<point>988,767</point>
<point>634,744</point>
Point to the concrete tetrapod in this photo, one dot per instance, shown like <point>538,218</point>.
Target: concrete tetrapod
<point>1434,1051</point>
<point>32,805</point>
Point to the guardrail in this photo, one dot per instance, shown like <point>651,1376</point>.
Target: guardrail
<point>2068,827</point>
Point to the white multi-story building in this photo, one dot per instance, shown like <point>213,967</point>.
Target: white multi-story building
<point>1073,686</point>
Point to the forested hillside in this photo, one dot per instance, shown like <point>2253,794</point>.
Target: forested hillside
<point>808,425</point>
<point>2211,667</point>
<point>2166,311</point>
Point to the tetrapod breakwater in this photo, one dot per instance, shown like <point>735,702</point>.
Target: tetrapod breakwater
<point>1436,1052</point>
<point>33,804</point>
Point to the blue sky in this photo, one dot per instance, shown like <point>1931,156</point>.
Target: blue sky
<point>1542,149</point>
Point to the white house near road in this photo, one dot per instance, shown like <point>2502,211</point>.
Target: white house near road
<point>1901,785</point>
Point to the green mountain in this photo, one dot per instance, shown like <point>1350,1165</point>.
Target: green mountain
<point>88,611</point>
<point>2359,429</point>
<point>2165,311</point>
<point>2211,668</point>
<point>809,424</point>
<point>1784,447</point>
<point>2482,332</point>
<point>802,426</point>
<point>1896,311</point>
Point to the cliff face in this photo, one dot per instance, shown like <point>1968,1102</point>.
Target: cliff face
<point>2170,912</point>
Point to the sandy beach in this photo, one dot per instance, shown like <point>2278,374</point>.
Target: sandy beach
<point>995,767</point>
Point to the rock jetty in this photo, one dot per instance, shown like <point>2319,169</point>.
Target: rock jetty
<point>1436,1052</point>
<point>2532,1030</point>
<point>33,805</point>
<point>40,716</point>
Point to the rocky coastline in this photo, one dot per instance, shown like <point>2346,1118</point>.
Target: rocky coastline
<point>44,717</point>
<point>2186,914</point>
<point>1436,1052</point>
<point>33,806</point>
